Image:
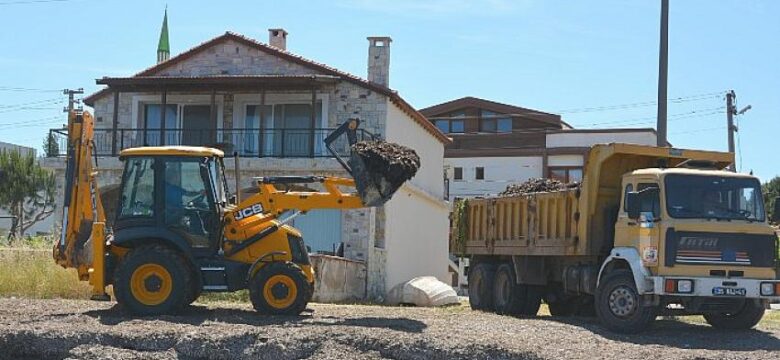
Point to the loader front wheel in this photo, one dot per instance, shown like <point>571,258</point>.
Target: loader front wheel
<point>280,288</point>
<point>152,280</point>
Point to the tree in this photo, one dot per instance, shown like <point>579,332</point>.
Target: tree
<point>50,146</point>
<point>771,190</point>
<point>27,192</point>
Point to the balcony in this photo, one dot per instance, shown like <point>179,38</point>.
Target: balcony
<point>259,143</point>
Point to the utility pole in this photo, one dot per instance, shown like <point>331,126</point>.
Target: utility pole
<point>663,65</point>
<point>71,98</point>
<point>731,110</point>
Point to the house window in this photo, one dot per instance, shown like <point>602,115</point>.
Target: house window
<point>457,126</point>
<point>152,117</point>
<point>443,125</point>
<point>286,130</point>
<point>493,122</point>
<point>480,173</point>
<point>504,125</point>
<point>565,174</point>
<point>458,173</point>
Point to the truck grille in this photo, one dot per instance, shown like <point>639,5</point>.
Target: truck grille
<point>709,248</point>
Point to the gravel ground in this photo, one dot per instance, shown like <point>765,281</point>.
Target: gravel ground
<point>93,330</point>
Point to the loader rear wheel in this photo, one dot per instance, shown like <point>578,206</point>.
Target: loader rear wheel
<point>152,280</point>
<point>280,288</point>
<point>481,286</point>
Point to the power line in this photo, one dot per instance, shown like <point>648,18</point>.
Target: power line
<point>36,121</point>
<point>22,89</point>
<point>21,2</point>
<point>677,100</point>
<point>32,103</point>
<point>648,119</point>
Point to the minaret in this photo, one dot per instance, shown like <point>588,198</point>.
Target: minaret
<point>163,48</point>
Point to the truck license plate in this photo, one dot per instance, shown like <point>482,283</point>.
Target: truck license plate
<point>727,291</point>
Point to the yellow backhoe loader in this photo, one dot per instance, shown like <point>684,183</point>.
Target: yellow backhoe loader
<point>178,231</point>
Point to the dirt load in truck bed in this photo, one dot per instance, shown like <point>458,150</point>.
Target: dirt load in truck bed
<point>535,185</point>
<point>56,329</point>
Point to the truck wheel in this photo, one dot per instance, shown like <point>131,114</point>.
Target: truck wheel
<point>512,298</point>
<point>746,318</point>
<point>619,306</point>
<point>481,278</point>
<point>508,297</point>
<point>280,288</point>
<point>152,280</point>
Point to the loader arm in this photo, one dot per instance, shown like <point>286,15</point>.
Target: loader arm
<point>83,235</point>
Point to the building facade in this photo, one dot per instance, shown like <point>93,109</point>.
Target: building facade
<point>272,109</point>
<point>497,144</point>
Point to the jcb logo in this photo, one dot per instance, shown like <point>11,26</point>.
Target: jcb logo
<point>247,212</point>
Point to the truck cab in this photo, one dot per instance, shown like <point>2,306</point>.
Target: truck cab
<point>699,238</point>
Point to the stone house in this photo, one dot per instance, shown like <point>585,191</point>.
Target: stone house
<point>274,108</point>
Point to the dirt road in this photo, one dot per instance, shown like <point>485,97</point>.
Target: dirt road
<point>93,330</point>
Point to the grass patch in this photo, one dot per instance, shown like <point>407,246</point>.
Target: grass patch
<point>31,272</point>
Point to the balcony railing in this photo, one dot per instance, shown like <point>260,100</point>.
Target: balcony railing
<point>276,143</point>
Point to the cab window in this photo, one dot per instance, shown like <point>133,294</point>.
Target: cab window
<point>650,200</point>
<point>189,208</point>
<point>629,188</point>
<point>138,189</point>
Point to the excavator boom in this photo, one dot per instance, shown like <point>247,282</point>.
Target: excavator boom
<point>83,236</point>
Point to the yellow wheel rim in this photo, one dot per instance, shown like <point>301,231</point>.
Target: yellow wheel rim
<point>280,291</point>
<point>151,284</point>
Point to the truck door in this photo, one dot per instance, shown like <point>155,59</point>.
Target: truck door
<point>643,233</point>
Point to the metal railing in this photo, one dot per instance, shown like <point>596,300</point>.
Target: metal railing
<point>247,142</point>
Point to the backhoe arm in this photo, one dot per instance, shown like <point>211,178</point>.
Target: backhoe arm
<point>82,239</point>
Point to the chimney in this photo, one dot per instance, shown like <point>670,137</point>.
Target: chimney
<point>379,60</point>
<point>277,38</point>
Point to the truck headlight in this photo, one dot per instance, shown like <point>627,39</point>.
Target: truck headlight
<point>679,286</point>
<point>685,286</point>
<point>770,288</point>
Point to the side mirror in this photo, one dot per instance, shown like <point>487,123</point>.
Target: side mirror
<point>633,205</point>
<point>233,200</point>
<point>776,212</point>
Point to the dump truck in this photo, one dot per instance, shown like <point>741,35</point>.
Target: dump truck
<point>179,232</point>
<point>649,231</point>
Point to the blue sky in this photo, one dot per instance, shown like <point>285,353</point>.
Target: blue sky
<point>558,56</point>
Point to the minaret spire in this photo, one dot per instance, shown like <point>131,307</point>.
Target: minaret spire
<point>163,47</point>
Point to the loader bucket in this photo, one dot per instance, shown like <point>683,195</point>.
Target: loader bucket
<point>379,168</point>
<point>373,187</point>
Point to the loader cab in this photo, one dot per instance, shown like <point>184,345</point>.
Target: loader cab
<point>175,194</point>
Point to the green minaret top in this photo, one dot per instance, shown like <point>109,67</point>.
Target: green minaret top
<point>163,47</point>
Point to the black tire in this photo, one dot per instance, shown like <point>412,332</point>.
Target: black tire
<point>564,307</point>
<point>746,318</point>
<point>152,280</point>
<point>512,298</point>
<point>195,290</point>
<point>619,305</point>
<point>280,288</point>
<point>481,278</point>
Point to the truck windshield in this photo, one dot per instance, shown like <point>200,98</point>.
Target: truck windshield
<point>714,197</point>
